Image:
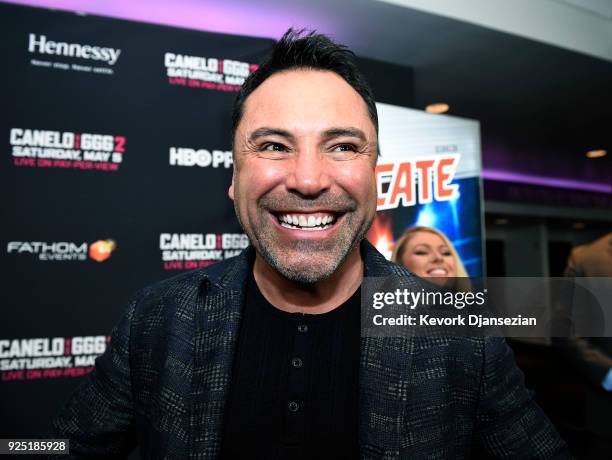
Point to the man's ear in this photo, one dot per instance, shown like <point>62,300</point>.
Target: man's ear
<point>230,191</point>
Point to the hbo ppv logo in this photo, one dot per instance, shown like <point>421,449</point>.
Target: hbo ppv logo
<point>180,156</point>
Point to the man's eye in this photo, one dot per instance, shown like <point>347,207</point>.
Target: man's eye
<point>344,148</point>
<point>273,147</point>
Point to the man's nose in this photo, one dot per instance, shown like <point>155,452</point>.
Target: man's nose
<point>310,175</point>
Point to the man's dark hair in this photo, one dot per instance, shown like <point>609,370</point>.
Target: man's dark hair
<point>301,49</point>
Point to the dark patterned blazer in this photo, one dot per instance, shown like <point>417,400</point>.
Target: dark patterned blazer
<point>163,382</point>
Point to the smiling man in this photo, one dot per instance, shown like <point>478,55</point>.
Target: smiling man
<point>260,356</point>
<point>305,151</point>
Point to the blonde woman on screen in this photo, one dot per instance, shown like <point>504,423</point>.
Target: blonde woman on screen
<point>428,253</point>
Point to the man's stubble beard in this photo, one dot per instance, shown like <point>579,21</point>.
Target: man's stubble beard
<point>301,269</point>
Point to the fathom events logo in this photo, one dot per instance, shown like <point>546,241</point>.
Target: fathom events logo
<point>206,72</point>
<point>57,251</point>
<point>56,149</point>
<point>102,250</point>
<point>40,45</point>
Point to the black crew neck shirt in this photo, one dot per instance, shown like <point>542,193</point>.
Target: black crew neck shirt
<point>294,389</point>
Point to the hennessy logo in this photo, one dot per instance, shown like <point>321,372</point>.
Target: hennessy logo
<point>43,46</point>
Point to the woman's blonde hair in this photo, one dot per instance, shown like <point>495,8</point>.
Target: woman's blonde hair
<point>402,242</point>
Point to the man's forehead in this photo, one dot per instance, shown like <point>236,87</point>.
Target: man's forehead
<point>306,100</point>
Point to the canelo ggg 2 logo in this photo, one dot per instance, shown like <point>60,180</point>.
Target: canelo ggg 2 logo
<point>55,149</point>
<point>49,357</point>
<point>206,72</point>
<point>185,251</point>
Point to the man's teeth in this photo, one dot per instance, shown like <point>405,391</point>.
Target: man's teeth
<point>306,223</point>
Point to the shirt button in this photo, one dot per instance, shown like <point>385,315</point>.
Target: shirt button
<point>293,406</point>
<point>296,362</point>
<point>303,328</point>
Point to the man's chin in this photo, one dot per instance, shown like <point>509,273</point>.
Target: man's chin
<point>310,273</point>
<point>304,268</point>
<point>306,261</point>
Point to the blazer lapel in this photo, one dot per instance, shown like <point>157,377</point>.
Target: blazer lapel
<point>385,364</point>
<point>383,381</point>
<point>218,318</point>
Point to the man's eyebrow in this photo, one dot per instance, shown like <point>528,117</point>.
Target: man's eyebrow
<point>262,132</point>
<point>345,132</point>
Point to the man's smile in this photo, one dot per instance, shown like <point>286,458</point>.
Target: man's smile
<point>317,223</point>
<point>307,221</point>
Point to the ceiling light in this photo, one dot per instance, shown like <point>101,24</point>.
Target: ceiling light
<point>439,107</point>
<point>596,153</point>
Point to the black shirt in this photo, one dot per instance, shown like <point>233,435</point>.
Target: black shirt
<point>294,391</point>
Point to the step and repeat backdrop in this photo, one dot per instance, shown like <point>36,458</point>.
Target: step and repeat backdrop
<point>117,158</point>
<point>116,164</point>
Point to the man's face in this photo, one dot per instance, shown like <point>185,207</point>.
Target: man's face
<point>303,186</point>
